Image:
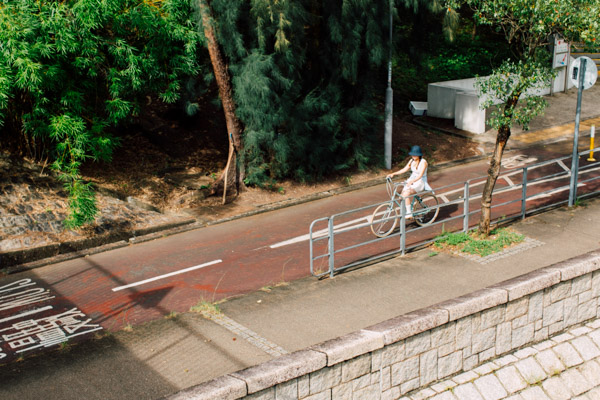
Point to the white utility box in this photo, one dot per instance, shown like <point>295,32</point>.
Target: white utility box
<point>418,107</point>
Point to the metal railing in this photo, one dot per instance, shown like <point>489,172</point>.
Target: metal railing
<point>334,240</point>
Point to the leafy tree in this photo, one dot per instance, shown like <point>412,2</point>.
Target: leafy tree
<point>71,71</point>
<point>307,77</point>
<point>527,25</point>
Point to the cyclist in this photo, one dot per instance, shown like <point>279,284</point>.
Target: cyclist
<point>417,182</point>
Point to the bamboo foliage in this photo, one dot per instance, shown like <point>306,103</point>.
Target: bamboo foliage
<point>70,71</point>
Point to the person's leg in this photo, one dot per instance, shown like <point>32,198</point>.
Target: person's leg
<point>406,192</point>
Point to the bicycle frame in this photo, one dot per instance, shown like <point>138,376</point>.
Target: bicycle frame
<point>398,199</point>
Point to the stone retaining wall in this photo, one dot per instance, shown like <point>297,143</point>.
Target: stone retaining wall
<point>414,350</point>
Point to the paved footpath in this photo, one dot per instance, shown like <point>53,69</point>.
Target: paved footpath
<point>566,366</point>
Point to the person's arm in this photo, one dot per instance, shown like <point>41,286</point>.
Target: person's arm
<point>401,171</point>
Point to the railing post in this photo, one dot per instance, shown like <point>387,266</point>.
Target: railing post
<point>331,248</point>
<point>402,225</point>
<point>466,207</point>
<point>524,194</point>
<point>310,241</point>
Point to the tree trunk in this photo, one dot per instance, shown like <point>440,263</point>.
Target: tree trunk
<point>494,169</point>
<point>232,174</point>
<point>493,172</point>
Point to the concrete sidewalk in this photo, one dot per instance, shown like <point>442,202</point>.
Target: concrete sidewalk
<point>183,350</point>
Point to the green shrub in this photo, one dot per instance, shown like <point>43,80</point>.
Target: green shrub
<point>70,71</point>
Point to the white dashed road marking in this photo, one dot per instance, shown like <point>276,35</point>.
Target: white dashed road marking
<point>156,278</point>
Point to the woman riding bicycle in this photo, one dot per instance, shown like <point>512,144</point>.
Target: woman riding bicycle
<point>417,182</point>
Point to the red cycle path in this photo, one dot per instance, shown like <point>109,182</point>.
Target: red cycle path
<point>240,250</point>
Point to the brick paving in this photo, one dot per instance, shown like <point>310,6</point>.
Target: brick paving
<point>527,244</point>
<point>566,366</point>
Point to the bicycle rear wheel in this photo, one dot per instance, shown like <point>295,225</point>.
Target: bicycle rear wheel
<point>425,209</point>
<point>384,220</point>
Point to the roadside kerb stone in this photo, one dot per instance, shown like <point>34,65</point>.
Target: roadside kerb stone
<point>527,284</point>
<point>473,303</point>
<point>577,266</point>
<point>29,258</point>
<point>224,387</point>
<point>281,369</point>
<point>349,346</point>
<point>410,324</point>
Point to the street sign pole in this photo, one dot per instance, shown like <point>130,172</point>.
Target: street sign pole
<point>575,160</point>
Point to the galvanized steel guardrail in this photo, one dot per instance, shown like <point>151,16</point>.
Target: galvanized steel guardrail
<point>325,233</point>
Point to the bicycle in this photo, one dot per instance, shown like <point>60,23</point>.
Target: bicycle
<point>423,214</point>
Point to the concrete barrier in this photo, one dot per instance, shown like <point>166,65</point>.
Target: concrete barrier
<point>411,351</point>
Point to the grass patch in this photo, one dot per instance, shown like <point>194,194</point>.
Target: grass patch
<point>206,308</point>
<point>472,243</point>
<point>172,315</point>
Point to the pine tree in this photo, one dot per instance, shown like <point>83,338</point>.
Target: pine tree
<point>231,172</point>
<point>307,77</point>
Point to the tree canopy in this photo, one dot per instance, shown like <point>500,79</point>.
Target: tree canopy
<point>306,76</point>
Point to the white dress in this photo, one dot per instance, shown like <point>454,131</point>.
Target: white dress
<point>420,184</point>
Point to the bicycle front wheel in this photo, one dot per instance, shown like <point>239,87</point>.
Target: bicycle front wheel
<point>425,209</point>
<point>384,220</point>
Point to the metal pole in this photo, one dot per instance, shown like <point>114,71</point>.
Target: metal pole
<point>389,104</point>
<point>402,225</point>
<point>592,133</point>
<point>575,160</point>
<point>466,208</point>
<point>331,249</point>
<point>524,194</point>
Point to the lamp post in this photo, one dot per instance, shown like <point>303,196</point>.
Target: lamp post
<point>389,104</point>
